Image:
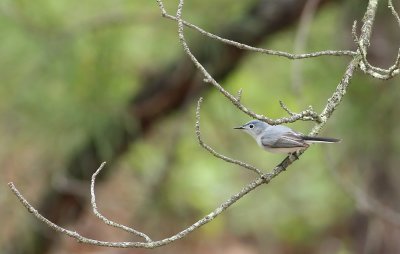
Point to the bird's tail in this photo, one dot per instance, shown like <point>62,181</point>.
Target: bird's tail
<point>309,139</point>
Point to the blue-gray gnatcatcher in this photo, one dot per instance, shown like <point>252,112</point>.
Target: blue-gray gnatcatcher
<point>279,138</point>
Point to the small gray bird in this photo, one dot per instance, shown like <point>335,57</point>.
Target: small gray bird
<point>279,138</point>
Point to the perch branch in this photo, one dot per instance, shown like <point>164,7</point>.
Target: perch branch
<point>332,104</point>
<point>341,89</point>
<point>151,244</point>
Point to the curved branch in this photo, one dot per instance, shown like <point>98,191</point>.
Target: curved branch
<point>368,68</point>
<point>305,115</point>
<point>103,218</point>
<point>341,89</point>
<point>151,244</point>
<point>332,104</point>
<point>213,152</point>
<point>255,49</point>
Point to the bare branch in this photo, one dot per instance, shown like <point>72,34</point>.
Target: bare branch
<point>305,115</point>
<point>213,152</point>
<point>365,66</point>
<point>239,95</point>
<point>334,101</point>
<point>103,218</point>
<point>284,107</point>
<point>332,104</point>
<point>264,179</point>
<point>255,49</point>
<point>395,67</point>
<point>152,244</point>
<point>394,12</point>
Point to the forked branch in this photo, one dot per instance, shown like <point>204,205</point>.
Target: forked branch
<point>304,115</point>
<point>213,152</point>
<point>368,68</point>
<point>256,49</point>
<point>358,60</point>
<point>102,217</point>
<point>149,244</point>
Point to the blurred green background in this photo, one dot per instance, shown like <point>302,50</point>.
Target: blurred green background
<point>70,71</point>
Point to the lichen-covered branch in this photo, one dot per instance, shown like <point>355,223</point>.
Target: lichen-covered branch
<point>149,244</point>
<point>213,152</point>
<point>103,218</point>
<point>305,115</point>
<point>255,49</point>
<point>362,46</point>
<point>358,61</point>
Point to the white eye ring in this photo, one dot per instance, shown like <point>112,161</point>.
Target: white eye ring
<point>251,126</point>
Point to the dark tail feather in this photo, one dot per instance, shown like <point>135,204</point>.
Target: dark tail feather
<point>320,139</point>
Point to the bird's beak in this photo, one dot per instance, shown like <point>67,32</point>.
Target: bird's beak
<point>239,128</point>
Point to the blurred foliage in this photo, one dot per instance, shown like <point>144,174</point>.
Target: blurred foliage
<point>69,68</point>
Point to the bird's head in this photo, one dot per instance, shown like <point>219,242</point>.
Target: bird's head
<point>254,128</point>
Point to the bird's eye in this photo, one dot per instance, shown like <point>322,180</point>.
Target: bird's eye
<point>251,126</point>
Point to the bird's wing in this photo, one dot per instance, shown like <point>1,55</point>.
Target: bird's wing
<point>279,139</point>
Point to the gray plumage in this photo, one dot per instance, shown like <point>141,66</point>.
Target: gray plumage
<point>279,138</point>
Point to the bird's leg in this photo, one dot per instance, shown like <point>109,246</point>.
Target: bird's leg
<point>293,156</point>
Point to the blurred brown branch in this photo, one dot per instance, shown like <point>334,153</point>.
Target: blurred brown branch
<point>365,202</point>
<point>300,42</point>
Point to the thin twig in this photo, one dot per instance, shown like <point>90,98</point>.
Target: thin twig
<point>305,115</point>
<point>394,12</point>
<point>103,218</point>
<point>212,151</point>
<point>332,104</point>
<point>153,244</point>
<point>239,95</point>
<point>255,49</point>
<point>284,107</point>
<point>341,89</point>
<point>368,68</point>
